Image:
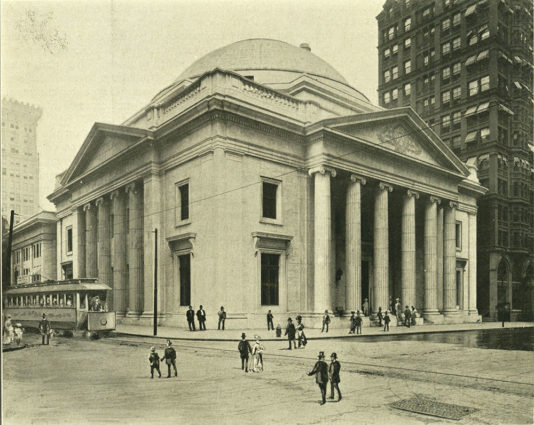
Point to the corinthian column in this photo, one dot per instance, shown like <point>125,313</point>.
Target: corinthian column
<point>439,251</point>
<point>119,251</point>
<point>135,249</point>
<point>408,248</point>
<point>381,249</point>
<point>449,258</point>
<point>91,265</point>
<point>431,300</point>
<point>322,238</point>
<point>473,264</point>
<point>104,259</point>
<point>353,243</point>
<point>79,217</point>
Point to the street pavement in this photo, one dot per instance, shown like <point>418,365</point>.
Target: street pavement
<point>107,381</point>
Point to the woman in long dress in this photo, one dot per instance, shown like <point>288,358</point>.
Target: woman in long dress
<point>257,354</point>
<point>8,330</point>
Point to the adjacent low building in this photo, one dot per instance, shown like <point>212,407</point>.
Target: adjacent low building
<point>272,184</point>
<point>33,257</point>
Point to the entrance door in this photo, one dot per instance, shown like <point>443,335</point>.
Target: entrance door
<point>365,283</point>
<point>185,279</point>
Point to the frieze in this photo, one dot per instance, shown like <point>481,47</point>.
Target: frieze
<point>397,136</point>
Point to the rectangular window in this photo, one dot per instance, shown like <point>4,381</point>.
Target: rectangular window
<point>407,43</point>
<point>394,94</point>
<point>446,24</point>
<point>387,76</point>
<point>395,72</point>
<point>459,235</point>
<point>269,200</point>
<point>456,43</point>
<point>456,118</point>
<point>387,53</point>
<point>270,265</point>
<point>407,24</point>
<point>456,92</point>
<point>185,279</point>
<point>407,89</point>
<point>445,48</point>
<point>485,134</point>
<point>445,73</point>
<point>387,98</point>
<point>445,121</point>
<point>473,87</point>
<point>69,239</point>
<point>445,97</point>
<point>456,19</point>
<point>485,83</point>
<point>395,49</point>
<point>182,202</point>
<point>407,66</point>
<point>391,33</point>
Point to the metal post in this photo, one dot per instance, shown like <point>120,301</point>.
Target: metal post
<point>155,282</point>
<point>8,253</point>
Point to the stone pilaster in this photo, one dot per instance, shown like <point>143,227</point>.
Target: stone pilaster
<point>323,279</point>
<point>380,295</point>
<point>473,264</point>
<point>449,258</point>
<point>152,211</point>
<point>119,251</point>
<point>135,249</point>
<point>408,248</point>
<point>353,243</point>
<point>91,263</point>
<point>79,267</point>
<point>439,262</point>
<point>431,301</point>
<point>104,247</point>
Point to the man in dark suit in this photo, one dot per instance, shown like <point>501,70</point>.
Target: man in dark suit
<point>244,350</point>
<point>333,374</point>
<point>290,332</point>
<point>44,328</point>
<point>320,370</point>
<point>201,317</point>
<point>170,358</point>
<point>190,314</point>
<point>270,325</point>
<point>222,318</point>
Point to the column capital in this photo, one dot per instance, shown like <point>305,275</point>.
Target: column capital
<point>434,199</point>
<point>115,194</point>
<point>412,194</point>
<point>453,205</point>
<point>355,178</point>
<point>323,169</point>
<point>87,206</point>
<point>100,201</point>
<point>132,188</point>
<point>385,186</point>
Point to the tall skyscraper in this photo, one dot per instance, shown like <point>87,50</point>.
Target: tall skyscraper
<point>20,160</point>
<point>466,67</point>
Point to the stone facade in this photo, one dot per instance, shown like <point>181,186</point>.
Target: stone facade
<point>296,199</point>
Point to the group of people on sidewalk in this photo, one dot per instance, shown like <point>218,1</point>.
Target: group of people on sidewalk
<point>201,317</point>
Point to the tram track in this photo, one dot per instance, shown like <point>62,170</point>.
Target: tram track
<point>378,370</point>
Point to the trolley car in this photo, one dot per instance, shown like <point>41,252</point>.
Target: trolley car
<point>68,305</point>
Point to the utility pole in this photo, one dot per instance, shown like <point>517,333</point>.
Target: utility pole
<point>155,282</point>
<point>9,245</point>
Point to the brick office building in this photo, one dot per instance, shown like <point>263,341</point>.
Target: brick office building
<point>466,68</point>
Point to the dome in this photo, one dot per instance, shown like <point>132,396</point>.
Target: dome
<point>274,61</point>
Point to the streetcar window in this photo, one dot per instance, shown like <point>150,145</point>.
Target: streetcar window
<point>82,300</point>
<point>69,300</point>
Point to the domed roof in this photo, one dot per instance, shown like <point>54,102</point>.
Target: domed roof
<point>261,54</point>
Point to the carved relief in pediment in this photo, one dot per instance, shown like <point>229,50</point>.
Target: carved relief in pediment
<point>397,137</point>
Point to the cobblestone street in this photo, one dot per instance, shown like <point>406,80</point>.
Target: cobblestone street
<point>78,381</point>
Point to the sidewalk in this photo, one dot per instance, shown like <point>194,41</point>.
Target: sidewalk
<point>311,334</point>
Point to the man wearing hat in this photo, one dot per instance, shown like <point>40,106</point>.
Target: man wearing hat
<point>244,350</point>
<point>44,328</point>
<point>333,374</point>
<point>320,370</point>
<point>170,358</point>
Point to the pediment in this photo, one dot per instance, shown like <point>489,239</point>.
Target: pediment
<point>103,143</point>
<point>402,133</point>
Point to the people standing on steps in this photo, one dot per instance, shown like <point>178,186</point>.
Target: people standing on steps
<point>190,315</point>
<point>352,320</point>
<point>407,316</point>
<point>379,316</point>
<point>270,326</point>
<point>201,317</point>
<point>365,307</point>
<point>358,321</point>
<point>413,316</point>
<point>326,321</point>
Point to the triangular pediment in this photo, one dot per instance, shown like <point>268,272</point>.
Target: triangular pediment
<point>400,131</point>
<point>102,144</point>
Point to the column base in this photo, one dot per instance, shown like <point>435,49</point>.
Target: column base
<point>433,316</point>
<point>132,314</point>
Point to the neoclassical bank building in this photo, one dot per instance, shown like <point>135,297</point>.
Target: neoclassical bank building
<point>273,184</point>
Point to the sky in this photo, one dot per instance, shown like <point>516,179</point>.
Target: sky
<point>87,61</point>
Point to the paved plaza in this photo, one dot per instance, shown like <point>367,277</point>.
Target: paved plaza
<point>78,381</point>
